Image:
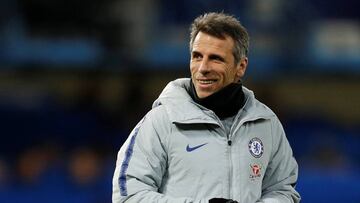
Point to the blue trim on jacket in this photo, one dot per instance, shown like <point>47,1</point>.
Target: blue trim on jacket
<point>125,163</point>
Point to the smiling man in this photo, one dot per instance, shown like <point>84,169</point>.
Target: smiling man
<point>208,139</point>
<point>213,65</point>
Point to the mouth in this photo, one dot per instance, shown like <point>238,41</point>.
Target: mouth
<point>206,81</point>
<point>205,87</point>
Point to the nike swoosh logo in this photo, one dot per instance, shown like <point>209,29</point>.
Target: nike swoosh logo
<point>190,149</point>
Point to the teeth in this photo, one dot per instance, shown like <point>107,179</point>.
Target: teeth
<point>206,81</point>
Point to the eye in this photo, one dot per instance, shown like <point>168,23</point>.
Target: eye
<point>217,58</point>
<point>196,56</point>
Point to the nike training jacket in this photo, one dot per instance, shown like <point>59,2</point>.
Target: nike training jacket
<point>180,153</point>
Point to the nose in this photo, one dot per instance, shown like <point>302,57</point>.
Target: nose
<point>204,67</point>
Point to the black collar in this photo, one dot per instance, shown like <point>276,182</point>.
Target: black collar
<point>225,102</point>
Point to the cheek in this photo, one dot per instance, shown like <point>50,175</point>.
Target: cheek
<point>229,75</point>
<point>193,68</point>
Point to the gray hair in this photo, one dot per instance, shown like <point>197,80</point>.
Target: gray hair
<point>220,25</point>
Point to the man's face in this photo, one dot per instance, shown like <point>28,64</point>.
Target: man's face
<point>212,64</point>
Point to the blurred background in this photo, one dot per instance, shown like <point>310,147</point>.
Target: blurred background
<point>77,75</point>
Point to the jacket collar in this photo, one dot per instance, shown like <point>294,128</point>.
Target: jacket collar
<point>182,109</point>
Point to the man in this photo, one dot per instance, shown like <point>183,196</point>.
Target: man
<point>207,139</point>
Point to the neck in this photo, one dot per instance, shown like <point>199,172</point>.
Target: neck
<point>225,102</point>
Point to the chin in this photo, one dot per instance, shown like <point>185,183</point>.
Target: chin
<point>205,94</point>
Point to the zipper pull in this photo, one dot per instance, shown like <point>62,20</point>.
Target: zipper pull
<point>229,142</point>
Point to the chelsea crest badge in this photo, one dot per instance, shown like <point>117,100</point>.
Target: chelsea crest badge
<point>256,147</point>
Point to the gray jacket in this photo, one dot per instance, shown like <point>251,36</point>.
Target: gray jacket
<point>180,153</point>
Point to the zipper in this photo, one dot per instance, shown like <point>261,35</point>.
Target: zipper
<point>230,165</point>
<point>229,143</point>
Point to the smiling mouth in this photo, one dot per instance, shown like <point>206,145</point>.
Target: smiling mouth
<point>207,81</point>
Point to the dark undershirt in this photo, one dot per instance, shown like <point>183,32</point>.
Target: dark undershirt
<point>224,103</point>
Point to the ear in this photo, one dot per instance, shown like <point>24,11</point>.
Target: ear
<point>241,67</point>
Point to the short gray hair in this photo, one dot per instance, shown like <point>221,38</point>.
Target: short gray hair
<point>220,25</point>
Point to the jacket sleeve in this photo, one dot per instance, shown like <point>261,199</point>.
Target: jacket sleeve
<point>141,165</point>
<point>282,172</point>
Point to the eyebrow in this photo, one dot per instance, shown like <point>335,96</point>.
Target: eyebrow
<point>195,53</point>
<point>211,56</point>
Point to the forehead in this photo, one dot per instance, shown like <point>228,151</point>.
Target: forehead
<point>205,42</point>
